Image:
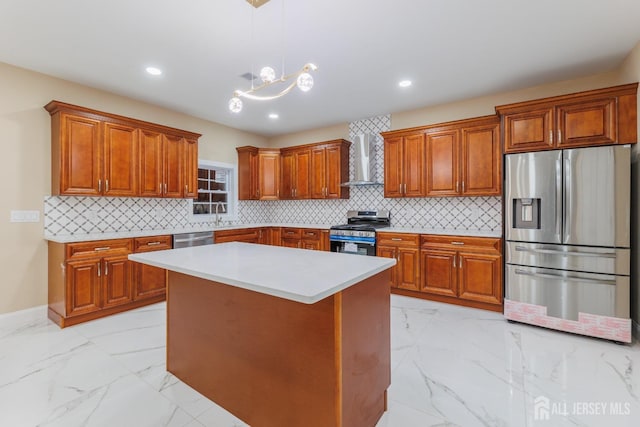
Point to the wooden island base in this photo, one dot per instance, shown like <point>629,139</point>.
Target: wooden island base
<point>274,362</point>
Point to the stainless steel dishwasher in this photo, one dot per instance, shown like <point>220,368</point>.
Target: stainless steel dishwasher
<point>198,238</point>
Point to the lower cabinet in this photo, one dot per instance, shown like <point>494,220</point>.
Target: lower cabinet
<point>304,238</point>
<point>462,270</point>
<point>149,281</point>
<point>247,235</point>
<point>88,280</point>
<point>404,247</point>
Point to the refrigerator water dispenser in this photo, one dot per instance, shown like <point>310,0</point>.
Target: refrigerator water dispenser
<point>526,213</point>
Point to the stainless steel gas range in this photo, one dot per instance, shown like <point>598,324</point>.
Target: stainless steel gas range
<point>358,235</point>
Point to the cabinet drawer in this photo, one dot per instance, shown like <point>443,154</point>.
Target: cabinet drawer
<point>99,248</point>
<point>398,239</point>
<point>311,234</point>
<point>151,243</point>
<point>291,233</point>
<point>243,234</point>
<point>429,241</point>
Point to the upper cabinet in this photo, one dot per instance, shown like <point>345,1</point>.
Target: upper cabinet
<point>258,173</point>
<point>313,171</point>
<point>100,154</point>
<point>460,158</point>
<point>597,117</point>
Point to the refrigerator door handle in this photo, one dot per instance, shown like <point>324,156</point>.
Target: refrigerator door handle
<point>559,202</point>
<point>572,253</point>
<point>566,278</point>
<point>567,197</point>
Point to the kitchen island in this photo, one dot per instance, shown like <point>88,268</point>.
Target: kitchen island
<point>280,336</point>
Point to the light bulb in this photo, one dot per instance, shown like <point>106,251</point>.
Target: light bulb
<point>235,104</point>
<point>267,74</point>
<point>305,82</point>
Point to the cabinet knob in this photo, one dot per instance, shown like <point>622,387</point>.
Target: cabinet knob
<point>99,185</point>
<point>106,185</point>
<point>99,263</point>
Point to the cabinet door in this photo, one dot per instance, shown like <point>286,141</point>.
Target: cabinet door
<point>408,269</point>
<point>318,173</point>
<point>442,163</point>
<point>438,272</point>
<point>587,123</point>
<point>80,156</point>
<point>413,165</point>
<point>393,171</point>
<point>310,244</point>
<point>120,160</point>
<point>151,184</point>
<point>529,131</point>
<point>481,158</point>
<point>389,252</point>
<point>333,172</point>
<point>116,281</point>
<point>290,243</point>
<point>173,160</point>
<point>288,175</point>
<point>269,175</point>
<point>303,174</point>
<point>190,169</point>
<point>480,277</point>
<point>149,281</point>
<point>82,293</point>
<point>247,173</point>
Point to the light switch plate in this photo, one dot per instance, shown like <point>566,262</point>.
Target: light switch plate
<point>25,216</point>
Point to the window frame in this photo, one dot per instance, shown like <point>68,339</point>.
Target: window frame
<point>232,193</point>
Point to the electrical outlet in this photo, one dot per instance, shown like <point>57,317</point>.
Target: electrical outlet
<point>25,216</point>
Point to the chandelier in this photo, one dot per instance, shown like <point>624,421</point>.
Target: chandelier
<point>301,78</point>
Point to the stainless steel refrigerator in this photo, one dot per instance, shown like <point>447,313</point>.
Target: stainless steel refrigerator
<point>568,240</point>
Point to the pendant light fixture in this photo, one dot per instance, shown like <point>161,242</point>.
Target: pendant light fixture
<point>301,78</point>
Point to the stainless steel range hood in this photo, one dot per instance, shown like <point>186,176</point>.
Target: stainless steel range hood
<point>364,162</point>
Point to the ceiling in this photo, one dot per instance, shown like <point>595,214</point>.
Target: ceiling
<point>450,49</point>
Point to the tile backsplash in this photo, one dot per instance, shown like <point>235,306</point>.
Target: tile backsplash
<point>68,215</point>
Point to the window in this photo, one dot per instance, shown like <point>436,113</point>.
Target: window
<point>216,188</point>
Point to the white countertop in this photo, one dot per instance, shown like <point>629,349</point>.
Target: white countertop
<point>144,233</point>
<point>300,275</point>
<point>468,233</point>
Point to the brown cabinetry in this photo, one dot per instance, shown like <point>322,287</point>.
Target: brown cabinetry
<point>149,281</point>
<point>101,154</point>
<point>88,280</point>
<point>329,169</point>
<point>258,173</point>
<point>596,117</point>
<point>296,172</point>
<point>460,158</point>
<point>404,247</point>
<point>247,235</point>
<point>462,270</point>
<point>304,238</point>
<point>404,165</point>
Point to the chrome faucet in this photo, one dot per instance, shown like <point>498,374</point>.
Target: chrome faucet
<point>218,219</point>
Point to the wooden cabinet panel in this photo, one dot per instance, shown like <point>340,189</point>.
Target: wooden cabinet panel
<point>303,174</point>
<point>480,277</point>
<point>481,161</point>
<point>82,293</point>
<point>247,235</point>
<point>269,175</point>
<point>529,131</point>
<point>389,252</point>
<point>413,165</point>
<point>120,160</point>
<point>290,243</point>
<point>588,123</point>
<point>149,281</point>
<point>247,173</point>
<point>98,248</point>
<point>408,268</point>
<point>190,169</point>
<point>116,281</point>
<point>442,163</point>
<point>288,175</point>
<point>333,172</point>
<point>318,172</point>
<point>172,169</point>
<point>393,172</point>
<point>438,272</point>
<point>151,164</point>
<point>385,238</point>
<point>80,152</point>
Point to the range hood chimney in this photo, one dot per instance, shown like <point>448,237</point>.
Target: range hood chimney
<point>364,163</point>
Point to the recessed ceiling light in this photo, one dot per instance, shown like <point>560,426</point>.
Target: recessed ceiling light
<point>404,83</point>
<point>154,71</point>
<point>273,116</point>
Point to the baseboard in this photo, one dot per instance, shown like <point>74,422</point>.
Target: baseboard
<point>27,315</point>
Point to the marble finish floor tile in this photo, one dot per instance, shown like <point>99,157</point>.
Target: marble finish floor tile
<point>450,366</point>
